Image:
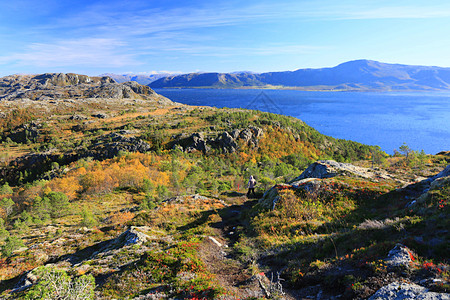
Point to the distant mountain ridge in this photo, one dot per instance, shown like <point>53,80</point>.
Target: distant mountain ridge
<point>139,78</point>
<point>357,75</point>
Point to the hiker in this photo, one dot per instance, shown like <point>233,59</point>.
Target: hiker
<point>251,186</point>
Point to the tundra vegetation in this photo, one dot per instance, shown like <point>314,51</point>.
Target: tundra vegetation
<point>109,199</point>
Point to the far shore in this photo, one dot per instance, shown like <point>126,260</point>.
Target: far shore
<point>299,88</point>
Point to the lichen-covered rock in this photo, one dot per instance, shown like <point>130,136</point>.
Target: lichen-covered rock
<point>443,173</point>
<point>226,142</point>
<point>436,182</point>
<point>25,132</point>
<point>400,291</point>
<point>109,145</point>
<point>132,236</point>
<point>311,179</point>
<point>251,135</point>
<point>399,256</point>
<point>331,168</point>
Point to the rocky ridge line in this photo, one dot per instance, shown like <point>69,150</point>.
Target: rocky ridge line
<point>53,86</point>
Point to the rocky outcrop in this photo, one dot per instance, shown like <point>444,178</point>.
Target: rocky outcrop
<point>399,256</point>
<point>331,168</point>
<point>402,290</point>
<point>443,173</point>
<point>226,142</point>
<point>422,189</point>
<point>132,236</point>
<point>25,132</point>
<point>310,179</point>
<point>109,145</point>
<point>52,86</point>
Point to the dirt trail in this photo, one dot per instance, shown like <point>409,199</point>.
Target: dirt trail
<point>221,258</point>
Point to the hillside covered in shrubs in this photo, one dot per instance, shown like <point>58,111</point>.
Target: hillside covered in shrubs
<point>137,197</point>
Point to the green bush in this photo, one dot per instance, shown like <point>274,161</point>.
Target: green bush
<point>6,189</point>
<point>7,205</point>
<point>88,219</point>
<point>59,204</point>
<point>3,232</point>
<point>11,243</point>
<point>56,284</point>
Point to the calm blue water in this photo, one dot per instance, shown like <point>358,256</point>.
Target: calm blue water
<point>421,119</point>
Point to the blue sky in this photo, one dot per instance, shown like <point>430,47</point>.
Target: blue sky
<point>95,37</point>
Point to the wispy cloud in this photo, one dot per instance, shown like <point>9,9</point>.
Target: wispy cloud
<point>89,52</point>
<point>129,33</point>
<point>389,12</point>
<point>225,51</point>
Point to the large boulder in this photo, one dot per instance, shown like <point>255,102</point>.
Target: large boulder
<point>192,143</point>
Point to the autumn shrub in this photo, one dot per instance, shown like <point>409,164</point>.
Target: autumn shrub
<point>121,217</point>
<point>167,266</point>
<point>293,207</point>
<point>69,185</point>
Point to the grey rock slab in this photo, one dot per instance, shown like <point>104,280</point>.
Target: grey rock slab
<point>400,291</point>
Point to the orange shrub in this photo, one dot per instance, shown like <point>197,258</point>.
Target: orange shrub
<point>68,185</point>
<point>121,217</point>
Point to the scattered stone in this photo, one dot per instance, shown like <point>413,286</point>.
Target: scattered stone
<point>100,116</point>
<point>77,117</point>
<point>215,241</point>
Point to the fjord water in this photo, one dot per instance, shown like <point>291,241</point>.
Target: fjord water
<point>420,119</point>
